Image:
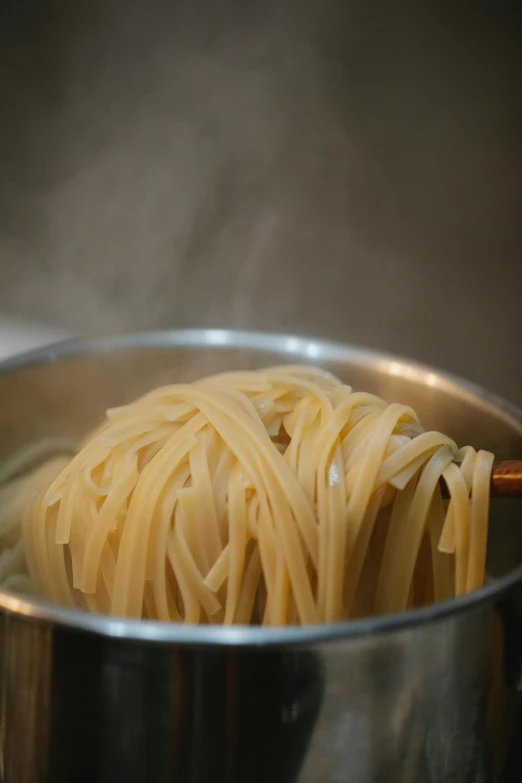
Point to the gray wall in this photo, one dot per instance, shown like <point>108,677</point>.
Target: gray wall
<point>349,169</point>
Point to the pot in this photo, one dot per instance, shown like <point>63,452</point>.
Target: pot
<point>425,696</point>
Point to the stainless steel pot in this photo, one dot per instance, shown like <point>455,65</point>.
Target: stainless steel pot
<point>425,696</point>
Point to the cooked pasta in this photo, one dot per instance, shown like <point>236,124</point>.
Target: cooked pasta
<point>277,496</point>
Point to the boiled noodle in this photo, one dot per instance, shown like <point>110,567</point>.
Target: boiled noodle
<point>277,497</point>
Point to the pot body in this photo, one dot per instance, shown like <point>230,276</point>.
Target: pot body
<point>431,699</point>
<point>419,705</point>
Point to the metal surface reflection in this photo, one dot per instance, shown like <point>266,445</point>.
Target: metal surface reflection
<point>163,715</point>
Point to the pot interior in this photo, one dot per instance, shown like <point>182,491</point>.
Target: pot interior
<point>64,390</point>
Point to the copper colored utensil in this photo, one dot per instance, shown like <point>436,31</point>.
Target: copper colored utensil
<point>506,480</point>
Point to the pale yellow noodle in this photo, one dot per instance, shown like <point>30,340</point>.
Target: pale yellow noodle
<point>277,496</point>
<point>461,522</point>
<point>483,465</point>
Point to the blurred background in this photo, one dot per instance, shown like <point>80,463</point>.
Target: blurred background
<point>344,168</point>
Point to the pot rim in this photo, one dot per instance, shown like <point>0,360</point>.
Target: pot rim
<point>152,631</point>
